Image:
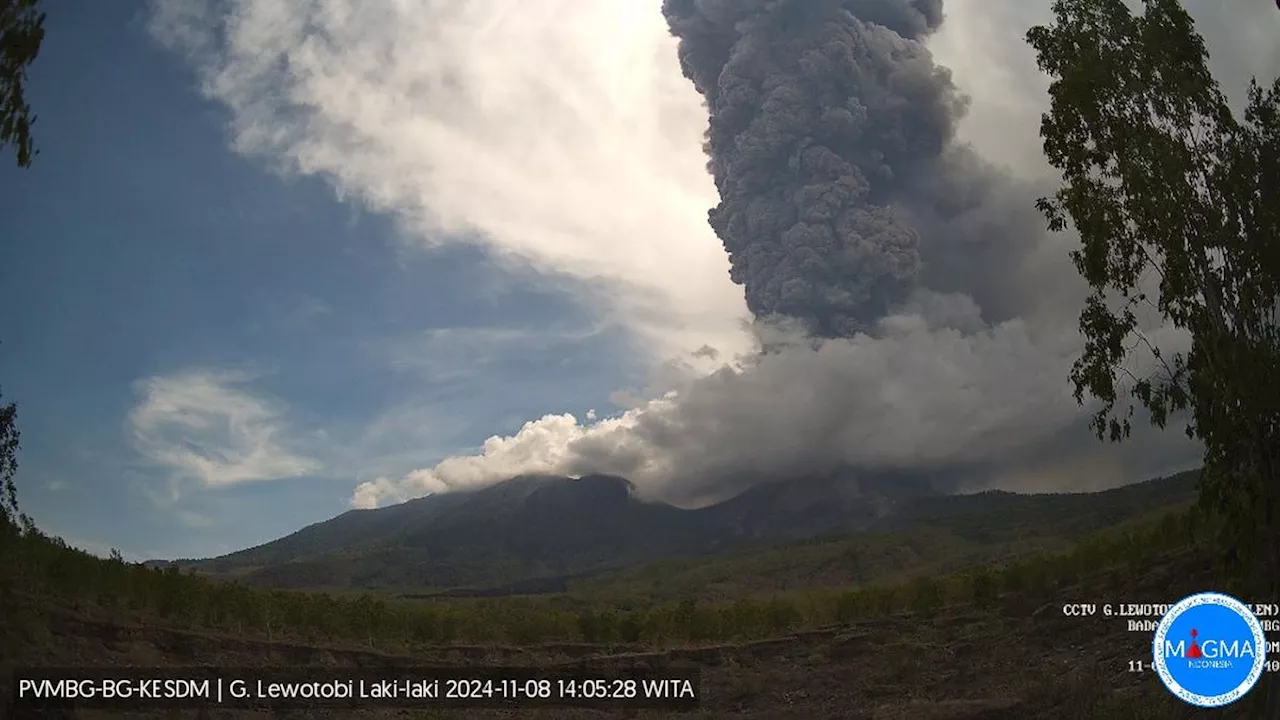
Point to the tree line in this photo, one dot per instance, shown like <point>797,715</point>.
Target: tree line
<point>38,565</point>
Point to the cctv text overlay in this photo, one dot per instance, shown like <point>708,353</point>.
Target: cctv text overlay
<point>355,688</point>
<point>1144,618</point>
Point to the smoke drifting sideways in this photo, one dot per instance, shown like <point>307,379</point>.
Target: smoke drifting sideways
<point>911,311</point>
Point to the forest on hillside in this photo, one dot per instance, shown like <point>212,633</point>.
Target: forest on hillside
<point>35,565</point>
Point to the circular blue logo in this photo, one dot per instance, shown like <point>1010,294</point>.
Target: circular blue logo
<point>1209,650</point>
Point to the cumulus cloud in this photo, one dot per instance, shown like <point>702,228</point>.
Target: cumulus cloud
<point>206,427</point>
<point>539,446</point>
<point>566,137</point>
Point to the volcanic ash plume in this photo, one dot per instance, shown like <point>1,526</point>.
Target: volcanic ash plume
<point>937,322</point>
<point>937,319</point>
<point>823,115</point>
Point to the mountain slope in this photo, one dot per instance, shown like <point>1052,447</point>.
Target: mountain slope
<point>811,506</point>
<point>529,526</point>
<point>542,527</point>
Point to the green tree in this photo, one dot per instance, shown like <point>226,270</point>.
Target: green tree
<point>984,586</point>
<point>1013,578</point>
<point>12,519</point>
<point>780,614</point>
<point>592,626</point>
<point>630,628</point>
<point>21,32</point>
<point>1174,198</point>
<point>926,595</point>
<point>849,607</point>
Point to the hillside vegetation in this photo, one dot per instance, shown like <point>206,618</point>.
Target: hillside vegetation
<point>545,527</point>
<point>937,536</point>
<point>36,565</point>
<point>880,648</point>
<point>545,534</point>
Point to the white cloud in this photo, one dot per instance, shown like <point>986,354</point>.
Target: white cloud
<point>561,132</point>
<point>205,426</point>
<point>564,135</point>
<point>539,446</point>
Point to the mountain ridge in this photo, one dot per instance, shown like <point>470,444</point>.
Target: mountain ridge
<point>536,528</point>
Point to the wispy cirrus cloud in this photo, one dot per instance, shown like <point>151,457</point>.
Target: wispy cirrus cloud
<point>455,354</point>
<point>206,427</point>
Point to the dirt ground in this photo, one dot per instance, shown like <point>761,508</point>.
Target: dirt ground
<point>1023,660</point>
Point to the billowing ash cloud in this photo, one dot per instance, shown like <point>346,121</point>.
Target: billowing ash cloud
<point>933,393</point>
<point>823,115</point>
<point>936,318</point>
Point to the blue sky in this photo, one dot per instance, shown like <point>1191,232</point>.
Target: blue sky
<point>279,258</point>
<point>139,246</point>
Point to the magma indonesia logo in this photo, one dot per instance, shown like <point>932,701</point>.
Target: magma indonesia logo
<point>1209,650</point>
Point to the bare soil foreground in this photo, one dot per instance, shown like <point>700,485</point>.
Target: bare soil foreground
<point>1022,660</point>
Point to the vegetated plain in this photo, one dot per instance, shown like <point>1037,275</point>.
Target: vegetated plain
<point>953,612</point>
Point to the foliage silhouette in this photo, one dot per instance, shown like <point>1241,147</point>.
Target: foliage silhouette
<point>1174,198</point>
<point>21,32</point>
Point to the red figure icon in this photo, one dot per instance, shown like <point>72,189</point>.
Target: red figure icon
<point>1194,651</point>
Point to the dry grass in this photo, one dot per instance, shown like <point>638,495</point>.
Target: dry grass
<point>1012,662</point>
